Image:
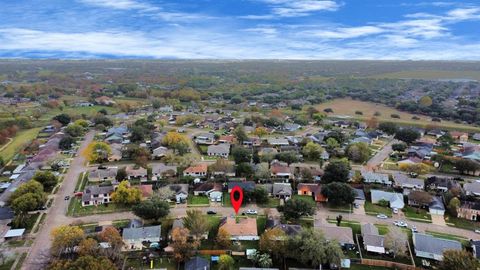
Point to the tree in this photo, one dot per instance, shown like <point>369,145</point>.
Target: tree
<point>124,194</point>
<point>153,208</point>
<point>358,152</point>
<point>165,193</point>
<point>453,206</point>
<point>141,156</point>
<point>176,141</point>
<point>466,166</point>
<point>244,169</point>
<point>101,119</point>
<point>63,118</point>
<point>312,151</point>
<point>293,209</point>
<point>332,143</point>
<point>97,152</point>
<point>183,247</point>
<point>388,127</point>
<point>82,263</point>
<point>458,260</point>
<point>74,130</point>
<point>313,249</point>
<point>88,246</point>
<point>262,171</point>
<point>425,101</point>
<point>121,174</point>
<point>223,239</point>
<point>27,202</point>
<point>396,241</point>
<point>372,122</point>
<point>66,143</point>
<point>65,238</point>
<point>289,157</point>
<point>336,171</point>
<point>262,259</point>
<point>338,193</point>
<point>196,222</point>
<point>260,132</point>
<point>274,241</point>
<point>259,195</point>
<point>240,134</point>
<point>400,147</point>
<point>407,135</point>
<point>47,179</point>
<point>241,154</point>
<point>422,198</point>
<point>226,262</point>
<point>81,122</point>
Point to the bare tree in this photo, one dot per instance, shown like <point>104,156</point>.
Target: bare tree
<point>396,241</point>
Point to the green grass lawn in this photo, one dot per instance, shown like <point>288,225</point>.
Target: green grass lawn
<point>339,208</point>
<point>7,265</point>
<point>355,225</point>
<point>272,203</point>
<point>19,142</point>
<point>75,208</point>
<point>302,197</point>
<point>79,182</point>
<point>194,200</point>
<point>462,223</point>
<point>374,209</point>
<point>20,261</point>
<point>417,214</point>
<point>226,200</point>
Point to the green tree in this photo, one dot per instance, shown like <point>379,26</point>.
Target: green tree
<point>240,134</point>
<point>259,195</point>
<point>196,222</point>
<point>121,174</point>
<point>47,179</point>
<point>388,127</point>
<point>293,209</point>
<point>63,118</point>
<point>27,202</point>
<point>312,151</point>
<point>74,130</point>
<point>358,152</point>
<point>31,187</point>
<point>241,154</point>
<point>407,135</point>
<point>66,143</point>
<point>289,157</point>
<point>336,171</point>
<point>263,260</point>
<point>338,193</point>
<point>124,194</point>
<point>313,249</point>
<point>458,260</point>
<point>226,262</point>
<point>154,208</point>
<point>453,206</point>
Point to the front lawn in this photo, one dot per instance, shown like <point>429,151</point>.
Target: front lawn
<point>19,142</point>
<point>374,209</point>
<point>226,200</point>
<point>462,223</point>
<point>272,203</point>
<point>417,214</point>
<point>76,209</point>
<point>339,208</point>
<point>195,200</point>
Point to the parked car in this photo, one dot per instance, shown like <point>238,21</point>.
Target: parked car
<point>402,224</point>
<point>395,210</point>
<point>250,212</point>
<point>211,212</point>
<point>382,216</point>
<point>414,229</point>
<point>67,198</point>
<point>477,231</point>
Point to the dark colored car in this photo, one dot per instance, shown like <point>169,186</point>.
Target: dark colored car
<point>211,212</point>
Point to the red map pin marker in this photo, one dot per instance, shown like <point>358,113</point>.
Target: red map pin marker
<point>236,203</point>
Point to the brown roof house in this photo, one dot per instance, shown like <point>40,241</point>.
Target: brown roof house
<point>160,171</point>
<point>199,170</point>
<point>243,230</point>
<point>313,190</point>
<point>136,173</point>
<point>281,170</point>
<point>343,235</point>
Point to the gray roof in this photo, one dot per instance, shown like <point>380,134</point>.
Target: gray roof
<point>110,172</point>
<point>95,190</point>
<point>369,228</point>
<point>375,177</point>
<point>282,189</point>
<point>223,148</point>
<point>405,181</point>
<point>343,235</point>
<point>473,187</point>
<point>436,203</point>
<point>179,188</point>
<point>359,194</point>
<point>430,244</point>
<point>373,240</point>
<point>142,233</point>
<point>159,168</point>
<point>277,141</point>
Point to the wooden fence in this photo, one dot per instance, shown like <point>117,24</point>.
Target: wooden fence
<point>389,264</point>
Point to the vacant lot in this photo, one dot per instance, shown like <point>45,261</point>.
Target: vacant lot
<point>18,143</point>
<point>348,107</point>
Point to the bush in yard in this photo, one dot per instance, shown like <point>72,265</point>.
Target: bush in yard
<point>383,203</point>
<point>338,193</point>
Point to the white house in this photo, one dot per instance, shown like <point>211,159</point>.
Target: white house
<point>133,238</point>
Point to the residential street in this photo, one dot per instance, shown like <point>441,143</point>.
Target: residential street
<point>56,213</point>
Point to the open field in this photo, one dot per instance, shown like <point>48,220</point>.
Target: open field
<point>19,141</point>
<point>348,107</point>
<point>432,75</point>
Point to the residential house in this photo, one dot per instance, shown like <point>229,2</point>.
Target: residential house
<point>181,192</point>
<point>116,152</point>
<point>343,235</point>
<point>134,238</point>
<point>160,152</point>
<point>291,127</point>
<point>245,229</point>
<point>160,171</point>
<point>147,191</point>
<point>476,136</point>
<point>366,140</point>
<point>94,195</point>
<point>205,138</point>
<point>245,185</point>
<point>420,151</point>
<point>407,183</point>
<point>372,240</point>
<point>290,230</point>
<point>282,191</point>
<point>436,133</point>
<point>100,175</point>
<point>178,223</point>
<point>469,210</point>
<point>395,199</point>
<point>230,139</point>
<point>471,152</point>
<point>206,187</point>
<point>136,173</point>
<point>104,100</point>
<point>313,190</point>
<point>278,142</point>
<point>372,177</point>
<point>472,189</point>
<point>200,170</point>
<point>441,184</point>
<point>197,263</point>
<point>219,150</point>
<point>114,138</point>
<point>267,151</point>
<point>281,170</point>
<point>459,136</point>
<point>342,124</point>
<point>436,207</point>
<point>431,247</point>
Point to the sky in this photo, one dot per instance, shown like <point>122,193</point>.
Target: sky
<point>241,29</point>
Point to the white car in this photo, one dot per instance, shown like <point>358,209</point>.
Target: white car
<point>395,210</point>
<point>382,216</point>
<point>251,212</point>
<point>402,224</point>
<point>477,231</point>
<point>414,229</point>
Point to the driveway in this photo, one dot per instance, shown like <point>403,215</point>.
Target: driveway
<point>381,155</point>
<point>438,220</point>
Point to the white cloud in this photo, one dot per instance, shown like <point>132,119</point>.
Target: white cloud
<point>345,32</point>
<point>120,4</point>
<point>463,14</point>
<point>267,31</point>
<point>294,8</point>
